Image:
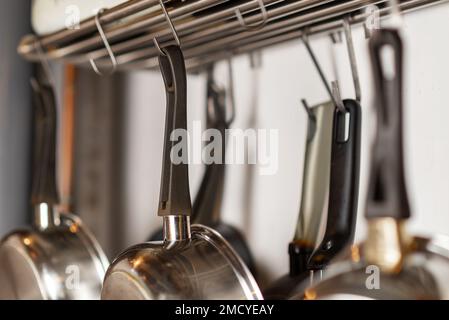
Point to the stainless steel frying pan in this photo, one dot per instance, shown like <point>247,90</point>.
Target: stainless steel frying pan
<point>190,263</point>
<point>338,149</point>
<point>315,190</point>
<point>207,206</point>
<point>58,258</point>
<point>390,264</point>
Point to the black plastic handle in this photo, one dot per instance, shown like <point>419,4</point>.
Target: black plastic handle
<point>44,187</point>
<point>344,185</point>
<point>387,195</point>
<point>175,192</point>
<point>208,201</point>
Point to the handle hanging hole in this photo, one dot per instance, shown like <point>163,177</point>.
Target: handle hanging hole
<point>388,61</point>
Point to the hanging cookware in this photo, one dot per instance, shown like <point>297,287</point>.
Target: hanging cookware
<point>190,263</point>
<point>331,175</point>
<point>208,202</point>
<point>315,190</point>
<point>333,164</point>
<point>58,258</point>
<point>344,186</point>
<point>390,264</point>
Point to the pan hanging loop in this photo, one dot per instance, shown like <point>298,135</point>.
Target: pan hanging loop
<point>172,27</point>
<point>106,45</point>
<point>257,26</point>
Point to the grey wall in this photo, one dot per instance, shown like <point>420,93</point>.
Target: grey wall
<point>98,152</point>
<point>15,116</point>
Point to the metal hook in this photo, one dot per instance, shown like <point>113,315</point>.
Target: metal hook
<point>336,94</point>
<point>336,37</point>
<point>216,111</point>
<point>372,20</point>
<point>106,45</point>
<point>44,62</point>
<point>231,92</point>
<point>172,27</point>
<point>256,26</point>
<point>336,100</point>
<point>352,59</point>
<point>307,108</point>
<point>255,59</point>
<point>396,16</point>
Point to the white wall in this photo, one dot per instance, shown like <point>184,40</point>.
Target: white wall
<point>269,213</point>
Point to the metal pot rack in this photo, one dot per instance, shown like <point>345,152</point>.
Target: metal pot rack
<point>208,30</point>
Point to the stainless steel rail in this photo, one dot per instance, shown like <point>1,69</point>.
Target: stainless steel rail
<point>208,29</point>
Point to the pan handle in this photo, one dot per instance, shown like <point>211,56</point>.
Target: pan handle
<point>175,192</point>
<point>208,201</point>
<point>315,186</point>
<point>387,195</point>
<point>44,188</point>
<point>344,185</point>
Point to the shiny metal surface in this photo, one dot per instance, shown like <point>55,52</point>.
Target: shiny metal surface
<point>176,228</point>
<point>58,258</point>
<point>206,267</point>
<point>58,263</point>
<point>199,264</point>
<point>45,216</point>
<point>423,276</point>
<point>315,188</point>
<point>206,36</point>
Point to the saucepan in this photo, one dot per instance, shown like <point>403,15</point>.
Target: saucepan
<point>58,258</point>
<point>192,262</point>
<point>391,263</point>
<point>208,201</point>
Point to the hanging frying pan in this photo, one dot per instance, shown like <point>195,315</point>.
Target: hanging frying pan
<point>344,186</point>
<point>190,263</point>
<point>390,264</point>
<point>331,171</point>
<point>58,258</point>
<point>313,199</point>
<point>208,202</point>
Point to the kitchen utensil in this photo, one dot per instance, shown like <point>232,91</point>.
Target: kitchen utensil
<point>345,170</point>
<point>331,171</point>
<point>334,166</point>
<point>390,264</point>
<point>58,258</point>
<point>344,186</point>
<point>191,263</point>
<point>313,199</point>
<point>208,202</point>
